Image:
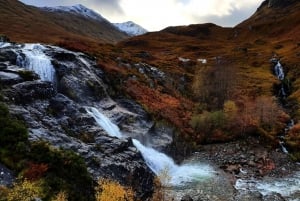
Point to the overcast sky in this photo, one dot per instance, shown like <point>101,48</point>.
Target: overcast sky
<point>155,15</point>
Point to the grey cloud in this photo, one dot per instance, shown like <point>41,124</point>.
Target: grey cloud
<point>236,17</point>
<point>106,6</point>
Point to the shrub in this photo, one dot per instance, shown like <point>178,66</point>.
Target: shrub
<point>66,171</point>
<point>25,191</point>
<point>61,196</point>
<point>108,190</point>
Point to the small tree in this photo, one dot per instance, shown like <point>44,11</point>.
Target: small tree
<point>108,190</point>
<point>25,191</point>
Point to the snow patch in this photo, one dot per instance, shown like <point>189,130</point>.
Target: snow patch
<point>77,9</point>
<point>130,28</point>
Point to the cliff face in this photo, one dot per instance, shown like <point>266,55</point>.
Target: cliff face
<point>53,100</point>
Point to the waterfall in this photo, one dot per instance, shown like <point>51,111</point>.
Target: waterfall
<point>4,44</point>
<point>104,122</point>
<point>36,60</point>
<point>179,174</point>
<point>279,71</point>
<point>157,161</point>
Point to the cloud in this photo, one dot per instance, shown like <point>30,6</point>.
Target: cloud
<point>104,7</point>
<point>158,14</point>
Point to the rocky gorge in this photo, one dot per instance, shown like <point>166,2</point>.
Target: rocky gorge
<point>52,103</point>
<point>64,99</point>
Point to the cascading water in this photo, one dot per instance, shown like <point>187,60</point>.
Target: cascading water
<point>159,162</point>
<point>36,60</point>
<point>156,160</point>
<point>279,71</point>
<point>289,187</point>
<point>104,122</point>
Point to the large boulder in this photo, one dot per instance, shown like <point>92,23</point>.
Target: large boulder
<point>7,55</point>
<point>30,91</point>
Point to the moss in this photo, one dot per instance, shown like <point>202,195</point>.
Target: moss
<point>28,75</point>
<point>295,156</point>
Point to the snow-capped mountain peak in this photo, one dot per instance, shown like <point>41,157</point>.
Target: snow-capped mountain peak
<point>79,10</point>
<point>131,28</point>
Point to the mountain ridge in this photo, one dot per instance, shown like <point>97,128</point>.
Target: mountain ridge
<point>77,9</point>
<point>30,24</point>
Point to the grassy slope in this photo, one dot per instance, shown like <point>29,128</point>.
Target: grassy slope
<point>246,48</point>
<point>24,23</point>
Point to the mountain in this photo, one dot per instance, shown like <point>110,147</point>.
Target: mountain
<point>237,68</point>
<point>273,19</point>
<point>32,24</point>
<point>184,90</point>
<point>131,28</point>
<point>77,9</point>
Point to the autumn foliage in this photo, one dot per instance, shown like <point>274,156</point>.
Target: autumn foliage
<point>108,190</point>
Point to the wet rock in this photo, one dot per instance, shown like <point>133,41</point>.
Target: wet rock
<point>7,55</point>
<point>61,69</point>
<point>7,78</point>
<point>78,79</point>
<point>6,176</point>
<point>3,66</point>
<point>29,91</point>
<point>273,197</point>
<point>61,105</point>
<point>186,198</point>
<point>249,196</point>
<point>63,56</point>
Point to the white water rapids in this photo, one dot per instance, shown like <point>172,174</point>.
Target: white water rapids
<point>157,161</point>
<point>286,187</point>
<point>36,60</point>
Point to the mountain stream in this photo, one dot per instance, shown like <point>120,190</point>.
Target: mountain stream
<point>191,177</point>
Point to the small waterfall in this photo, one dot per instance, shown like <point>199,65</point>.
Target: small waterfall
<point>159,162</point>
<point>279,71</point>
<point>36,60</point>
<point>4,44</point>
<point>104,122</point>
<point>156,160</point>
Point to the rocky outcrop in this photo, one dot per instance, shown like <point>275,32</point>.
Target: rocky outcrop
<point>77,76</point>
<point>7,177</point>
<point>30,91</point>
<point>55,112</point>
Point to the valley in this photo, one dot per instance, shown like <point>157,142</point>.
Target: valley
<point>197,112</point>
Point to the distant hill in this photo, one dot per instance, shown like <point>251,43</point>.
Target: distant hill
<point>27,23</point>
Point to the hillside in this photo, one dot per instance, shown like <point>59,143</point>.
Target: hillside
<point>226,97</point>
<point>31,24</point>
<point>237,68</point>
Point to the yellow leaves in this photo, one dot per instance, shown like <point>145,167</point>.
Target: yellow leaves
<point>108,190</point>
<point>25,191</point>
<point>61,196</point>
<point>3,193</point>
<point>230,108</point>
